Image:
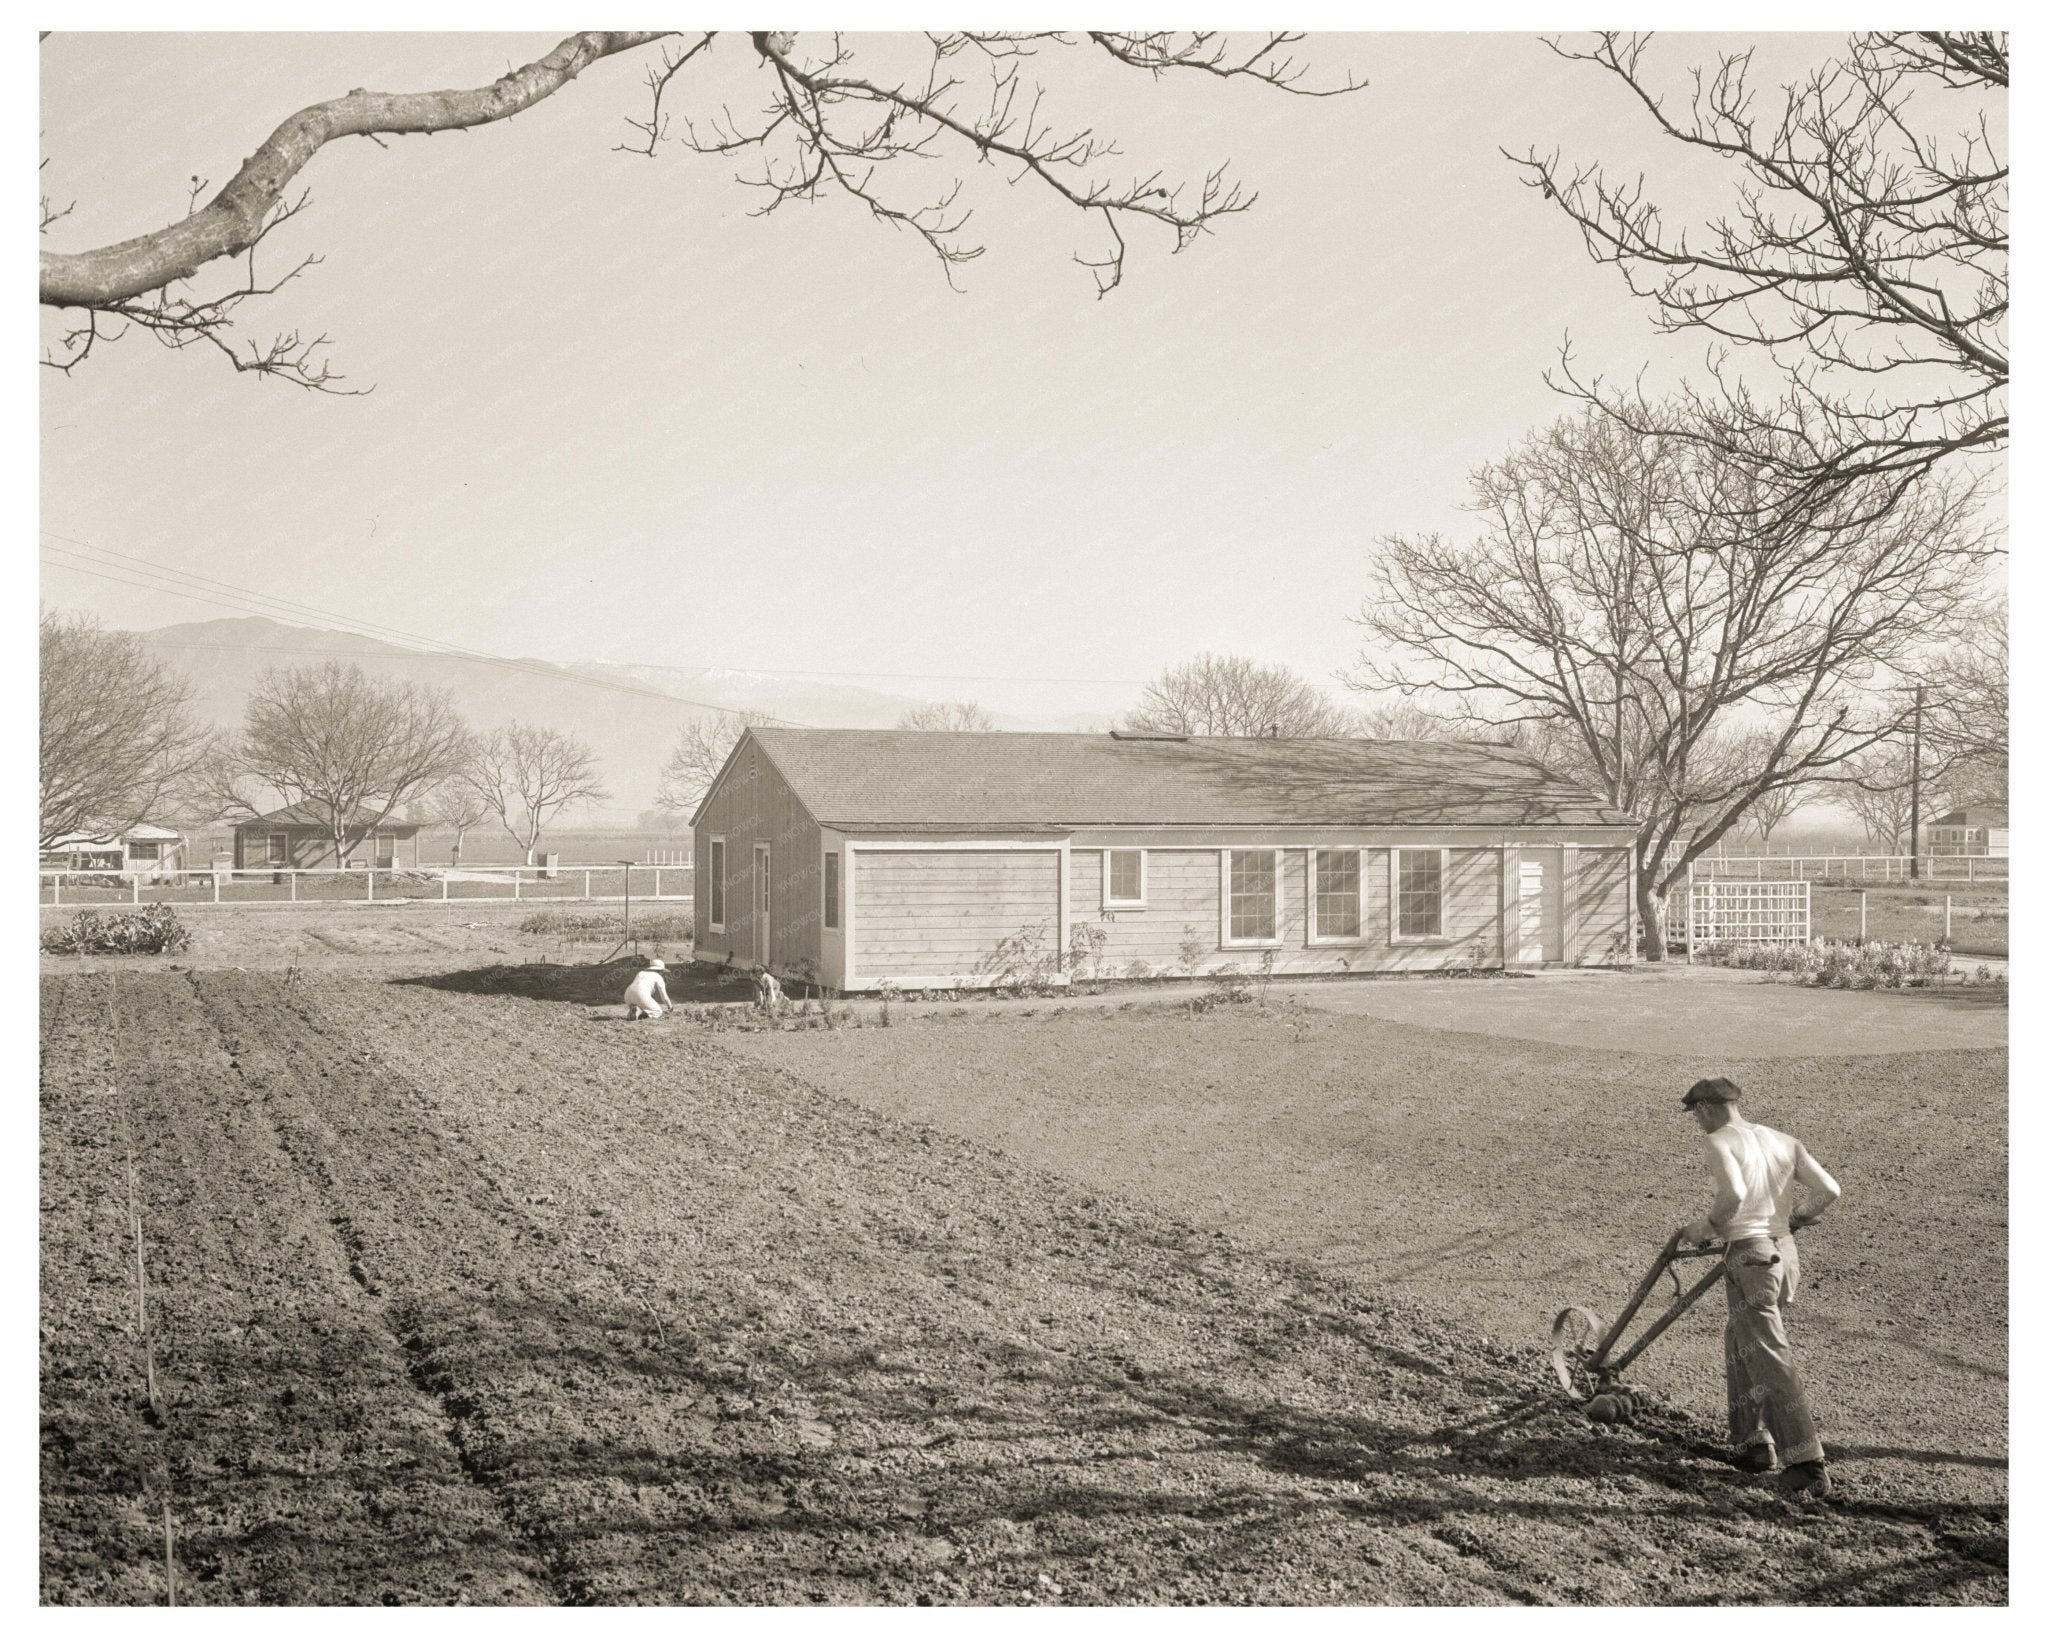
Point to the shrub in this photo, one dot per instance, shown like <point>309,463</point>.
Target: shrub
<point>1837,963</point>
<point>155,930</point>
<point>1026,962</point>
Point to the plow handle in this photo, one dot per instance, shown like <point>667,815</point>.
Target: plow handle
<point>1671,1253</point>
<point>1649,1280</point>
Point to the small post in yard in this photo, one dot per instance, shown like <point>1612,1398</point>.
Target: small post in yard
<point>586,887</point>
<point>291,882</point>
<point>370,880</point>
<point>1948,918</point>
<point>1919,697</point>
<point>216,887</point>
<point>517,878</point>
<point>1863,916</point>
<point>657,882</point>
<point>627,931</point>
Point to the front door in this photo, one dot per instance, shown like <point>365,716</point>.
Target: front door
<point>761,904</point>
<point>1542,906</point>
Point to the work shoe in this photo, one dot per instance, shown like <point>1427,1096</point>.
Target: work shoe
<point>1755,1459</point>
<point>1808,1479</point>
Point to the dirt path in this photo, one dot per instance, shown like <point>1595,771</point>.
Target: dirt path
<point>652,1322</point>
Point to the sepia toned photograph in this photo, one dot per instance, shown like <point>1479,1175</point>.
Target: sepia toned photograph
<point>981,820</point>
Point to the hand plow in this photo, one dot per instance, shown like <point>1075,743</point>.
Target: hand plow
<point>1583,1351</point>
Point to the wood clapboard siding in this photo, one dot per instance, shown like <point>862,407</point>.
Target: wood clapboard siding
<point>1597,907</point>
<point>941,913</point>
<point>753,804</point>
<point>1183,894</point>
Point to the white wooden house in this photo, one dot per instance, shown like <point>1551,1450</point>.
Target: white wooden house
<point>930,860</point>
<point>1979,831</point>
<point>139,850</point>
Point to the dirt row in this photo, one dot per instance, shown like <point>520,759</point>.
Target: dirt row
<point>467,1297</point>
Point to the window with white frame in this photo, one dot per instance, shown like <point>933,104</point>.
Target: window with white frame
<point>1254,891</point>
<point>1339,912</point>
<point>717,866</point>
<point>1123,879</point>
<point>1418,889</point>
<point>831,890</point>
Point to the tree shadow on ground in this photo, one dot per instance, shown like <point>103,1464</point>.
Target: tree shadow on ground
<point>591,984</point>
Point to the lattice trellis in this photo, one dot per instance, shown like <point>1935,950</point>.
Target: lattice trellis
<point>1725,912</point>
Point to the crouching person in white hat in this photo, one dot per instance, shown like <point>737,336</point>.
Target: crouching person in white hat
<point>647,995</point>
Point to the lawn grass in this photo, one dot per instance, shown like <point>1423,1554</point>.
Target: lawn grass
<point>1903,914</point>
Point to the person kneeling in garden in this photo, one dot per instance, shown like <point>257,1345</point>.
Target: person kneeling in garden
<point>647,995</point>
<point>1756,1173</point>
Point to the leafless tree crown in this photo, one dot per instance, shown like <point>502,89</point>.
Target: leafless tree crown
<point>1620,598</point>
<point>824,123</point>
<point>1229,695</point>
<point>1866,249</point>
<point>117,739</point>
<point>948,716</point>
<point>352,748</point>
<point>526,775</point>
<point>699,752</point>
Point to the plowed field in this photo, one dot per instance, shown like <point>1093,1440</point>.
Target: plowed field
<point>470,1297</point>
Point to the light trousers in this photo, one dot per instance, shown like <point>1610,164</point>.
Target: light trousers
<point>1767,1401</point>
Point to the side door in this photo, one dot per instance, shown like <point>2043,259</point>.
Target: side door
<point>761,899</point>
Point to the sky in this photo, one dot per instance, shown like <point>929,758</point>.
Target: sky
<point>615,416</point>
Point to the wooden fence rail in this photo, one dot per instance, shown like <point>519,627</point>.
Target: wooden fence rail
<point>481,884</point>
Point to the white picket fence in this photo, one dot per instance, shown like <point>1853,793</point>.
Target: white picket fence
<point>1871,867</point>
<point>477,884</point>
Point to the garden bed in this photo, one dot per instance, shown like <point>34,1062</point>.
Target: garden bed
<point>466,1296</point>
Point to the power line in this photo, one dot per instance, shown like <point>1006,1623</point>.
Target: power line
<point>101,571</point>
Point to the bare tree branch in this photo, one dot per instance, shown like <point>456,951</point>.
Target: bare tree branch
<point>700,751</point>
<point>948,716</point>
<point>117,739</point>
<point>824,127</point>
<point>526,775</point>
<point>1864,252</point>
<point>1228,695</point>
<point>1621,602</point>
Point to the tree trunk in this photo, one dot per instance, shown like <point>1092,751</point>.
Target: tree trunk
<point>1652,904</point>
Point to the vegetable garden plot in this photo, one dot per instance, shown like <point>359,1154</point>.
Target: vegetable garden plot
<point>685,1330</point>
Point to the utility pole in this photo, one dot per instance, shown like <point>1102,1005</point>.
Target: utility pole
<point>1913,821</point>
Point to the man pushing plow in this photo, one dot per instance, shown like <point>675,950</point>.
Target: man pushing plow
<point>1757,1173</point>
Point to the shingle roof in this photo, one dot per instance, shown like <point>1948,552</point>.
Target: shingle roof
<point>869,777</point>
<point>1986,817</point>
<point>312,813</point>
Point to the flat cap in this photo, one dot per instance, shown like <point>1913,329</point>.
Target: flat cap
<point>1716,1089</point>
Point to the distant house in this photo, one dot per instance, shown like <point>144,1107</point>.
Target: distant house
<point>944,860</point>
<point>298,838</point>
<point>143,850</point>
<point>1981,831</point>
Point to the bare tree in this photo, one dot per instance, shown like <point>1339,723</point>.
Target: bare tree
<point>1772,806</point>
<point>1228,695</point>
<point>1968,728</point>
<point>1620,595</point>
<point>1865,250</point>
<point>457,805</point>
<point>1877,787</point>
<point>822,124</point>
<point>117,739</point>
<point>527,775</point>
<point>352,749</point>
<point>948,716</point>
<point>700,751</point>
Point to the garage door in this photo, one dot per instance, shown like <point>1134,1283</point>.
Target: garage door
<point>942,914</point>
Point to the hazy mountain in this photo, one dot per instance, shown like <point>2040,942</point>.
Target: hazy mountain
<point>628,714</point>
